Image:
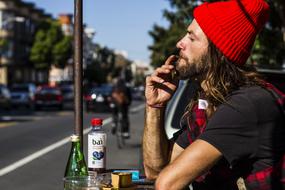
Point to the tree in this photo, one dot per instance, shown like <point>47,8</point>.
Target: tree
<point>62,52</point>
<point>3,48</point>
<point>101,67</point>
<point>165,38</point>
<point>50,46</point>
<point>3,44</point>
<point>40,54</point>
<point>94,73</point>
<point>268,49</point>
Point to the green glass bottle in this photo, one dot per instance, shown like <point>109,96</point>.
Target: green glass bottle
<point>76,165</point>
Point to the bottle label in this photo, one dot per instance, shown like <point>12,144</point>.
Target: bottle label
<point>97,150</point>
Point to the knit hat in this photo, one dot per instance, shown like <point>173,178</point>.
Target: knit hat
<point>233,25</point>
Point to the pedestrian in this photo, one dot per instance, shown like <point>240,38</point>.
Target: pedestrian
<point>234,127</point>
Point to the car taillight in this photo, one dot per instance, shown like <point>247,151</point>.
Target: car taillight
<point>59,97</point>
<point>87,97</point>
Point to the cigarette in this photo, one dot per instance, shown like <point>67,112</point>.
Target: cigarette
<point>173,74</point>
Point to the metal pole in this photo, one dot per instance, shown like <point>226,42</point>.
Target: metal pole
<point>78,26</point>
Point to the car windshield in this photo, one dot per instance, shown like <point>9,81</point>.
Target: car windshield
<point>49,91</point>
<point>66,90</point>
<point>19,89</point>
<point>101,90</point>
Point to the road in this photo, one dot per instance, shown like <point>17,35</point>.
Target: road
<point>35,146</point>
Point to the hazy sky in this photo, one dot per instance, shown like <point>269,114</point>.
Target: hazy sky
<point>119,24</point>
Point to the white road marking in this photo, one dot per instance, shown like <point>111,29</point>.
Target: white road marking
<point>7,124</point>
<point>33,156</point>
<point>26,160</point>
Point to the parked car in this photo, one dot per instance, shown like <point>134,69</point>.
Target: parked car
<point>98,98</point>
<point>276,77</point>
<point>67,93</point>
<point>48,96</point>
<point>138,93</point>
<point>23,95</point>
<point>176,106</point>
<point>5,97</point>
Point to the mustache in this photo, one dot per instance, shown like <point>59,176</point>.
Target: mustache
<point>182,56</point>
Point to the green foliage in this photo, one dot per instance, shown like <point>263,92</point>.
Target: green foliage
<point>62,51</point>
<point>165,39</point>
<point>165,43</point>
<point>40,51</point>
<point>101,67</point>
<point>50,46</point>
<point>268,49</point>
<point>3,45</point>
<point>95,73</point>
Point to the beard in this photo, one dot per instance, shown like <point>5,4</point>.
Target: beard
<point>191,69</point>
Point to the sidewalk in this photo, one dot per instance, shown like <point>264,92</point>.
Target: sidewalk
<point>130,156</point>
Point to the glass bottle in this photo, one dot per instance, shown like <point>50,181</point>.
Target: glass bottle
<point>76,165</point>
<point>97,147</point>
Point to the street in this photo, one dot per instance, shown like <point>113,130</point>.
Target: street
<point>35,146</point>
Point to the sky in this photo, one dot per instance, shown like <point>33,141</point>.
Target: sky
<point>119,24</point>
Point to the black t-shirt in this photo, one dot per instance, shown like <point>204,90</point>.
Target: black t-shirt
<point>248,129</point>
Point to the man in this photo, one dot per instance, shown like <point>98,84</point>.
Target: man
<point>122,97</point>
<point>234,125</point>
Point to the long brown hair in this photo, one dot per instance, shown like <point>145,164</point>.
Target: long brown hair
<point>223,77</point>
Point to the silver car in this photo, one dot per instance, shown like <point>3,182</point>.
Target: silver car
<point>23,95</point>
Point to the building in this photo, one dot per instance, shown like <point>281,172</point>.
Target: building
<point>140,70</point>
<point>89,47</point>
<point>18,22</point>
<point>66,24</point>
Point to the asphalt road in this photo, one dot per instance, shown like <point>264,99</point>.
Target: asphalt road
<point>34,146</point>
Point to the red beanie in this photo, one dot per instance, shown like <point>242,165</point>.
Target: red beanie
<point>233,25</point>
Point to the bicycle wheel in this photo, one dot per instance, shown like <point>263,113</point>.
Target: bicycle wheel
<point>119,132</point>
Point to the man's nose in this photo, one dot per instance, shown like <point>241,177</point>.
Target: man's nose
<point>179,44</point>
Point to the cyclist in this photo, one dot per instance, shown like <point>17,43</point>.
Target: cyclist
<point>122,98</point>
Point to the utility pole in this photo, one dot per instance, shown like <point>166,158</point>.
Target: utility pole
<point>77,69</point>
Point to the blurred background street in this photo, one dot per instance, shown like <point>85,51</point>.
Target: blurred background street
<point>30,138</point>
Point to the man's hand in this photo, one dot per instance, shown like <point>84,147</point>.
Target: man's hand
<point>161,85</point>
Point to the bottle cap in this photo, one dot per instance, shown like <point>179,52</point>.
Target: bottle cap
<point>74,138</point>
<point>96,121</point>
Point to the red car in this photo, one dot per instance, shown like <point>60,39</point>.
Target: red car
<point>48,96</point>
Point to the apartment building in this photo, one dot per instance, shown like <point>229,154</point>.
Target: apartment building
<point>18,22</point>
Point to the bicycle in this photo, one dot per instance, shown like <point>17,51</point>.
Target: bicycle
<point>117,127</point>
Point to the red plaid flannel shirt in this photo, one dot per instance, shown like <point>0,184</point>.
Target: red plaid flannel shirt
<point>261,180</point>
<point>267,179</point>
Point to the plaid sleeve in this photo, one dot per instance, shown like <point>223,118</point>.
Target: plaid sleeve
<point>181,138</point>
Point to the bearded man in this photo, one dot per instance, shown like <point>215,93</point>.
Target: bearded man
<point>239,131</point>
